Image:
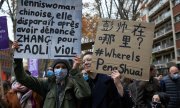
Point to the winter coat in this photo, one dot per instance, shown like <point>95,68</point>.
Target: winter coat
<point>142,92</point>
<point>75,87</point>
<point>172,88</point>
<point>104,93</point>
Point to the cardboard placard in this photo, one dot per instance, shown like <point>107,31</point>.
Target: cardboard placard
<point>125,46</point>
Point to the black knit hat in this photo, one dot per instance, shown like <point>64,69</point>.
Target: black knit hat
<point>66,62</point>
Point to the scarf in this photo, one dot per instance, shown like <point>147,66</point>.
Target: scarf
<point>24,95</point>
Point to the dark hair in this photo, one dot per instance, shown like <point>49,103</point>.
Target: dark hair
<point>152,67</point>
<point>164,98</point>
<point>88,53</point>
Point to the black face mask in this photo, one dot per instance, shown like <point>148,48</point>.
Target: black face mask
<point>156,105</point>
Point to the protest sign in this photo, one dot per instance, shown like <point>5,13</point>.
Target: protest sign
<point>48,29</point>
<point>33,67</point>
<point>125,46</point>
<point>4,40</point>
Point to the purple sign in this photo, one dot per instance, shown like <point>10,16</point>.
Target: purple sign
<point>4,40</point>
<point>33,67</point>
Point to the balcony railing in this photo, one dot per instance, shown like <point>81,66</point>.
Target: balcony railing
<point>162,17</point>
<point>163,31</point>
<point>162,47</point>
<point>164,61</point>
<point>156,7</point>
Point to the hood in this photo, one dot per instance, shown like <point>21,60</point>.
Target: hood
<point>66,62</point>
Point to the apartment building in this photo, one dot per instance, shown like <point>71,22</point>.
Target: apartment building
<point>166,43</point>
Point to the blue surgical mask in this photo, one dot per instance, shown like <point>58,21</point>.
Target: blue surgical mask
<point>60,73</point>
<point>50,73</point>
<point>85,76</point>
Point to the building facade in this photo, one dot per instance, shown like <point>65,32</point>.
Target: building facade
<point>166,43</point>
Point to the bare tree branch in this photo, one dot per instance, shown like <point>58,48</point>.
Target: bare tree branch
<point>10,11</point>
<point>107,9</point>
<point>98,7</point>
<point>111,8</point>
<point>1,3</point>
<point>126,9</point>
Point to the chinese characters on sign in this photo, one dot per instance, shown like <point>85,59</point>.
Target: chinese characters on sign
<point>125,46</point>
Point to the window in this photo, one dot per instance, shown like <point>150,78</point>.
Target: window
<point>178,52</point>
<point>176,2</point>
<point>178,35</point>
<point>173,55</point>
<point>164,44</point>
<point>177,18</point>
<point>167,58</point>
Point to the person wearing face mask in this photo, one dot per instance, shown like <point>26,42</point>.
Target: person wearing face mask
<point>160,100</point>
<point>170,84</point>
<point>49,72</point>
<point>65,88</point>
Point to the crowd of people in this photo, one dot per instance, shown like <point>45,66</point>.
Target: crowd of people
<point>68,86</point>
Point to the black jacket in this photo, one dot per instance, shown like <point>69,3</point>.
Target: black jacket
<point>104,93</point>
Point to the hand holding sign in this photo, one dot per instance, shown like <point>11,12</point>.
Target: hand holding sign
<point>115,75</point>
<point>15,45</point>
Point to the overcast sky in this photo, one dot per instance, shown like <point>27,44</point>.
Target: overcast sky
<point>9,22</point>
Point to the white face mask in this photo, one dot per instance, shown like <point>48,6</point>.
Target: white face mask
<point>175,76</point>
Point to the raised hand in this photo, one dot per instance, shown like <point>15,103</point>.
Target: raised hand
<point>15,45</point>
<point>77,62</point>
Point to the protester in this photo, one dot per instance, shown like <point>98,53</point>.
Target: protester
<point>62,92</point>
<point>142,91</point>
<point>49,72</point>
<point>160,100</point>
<point>171,85</point>
<point>107,91</point>
<point>22,97</point>
<point>19,96</point>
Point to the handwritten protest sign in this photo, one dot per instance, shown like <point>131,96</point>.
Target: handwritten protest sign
<point>4,40</point>
<point>125,46</point>
<point>48,28</point>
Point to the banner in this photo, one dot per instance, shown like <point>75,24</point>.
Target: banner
<point>125,46</point>
<point>48,29</point>
<point>4,40</point>
<point>33,67</point>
